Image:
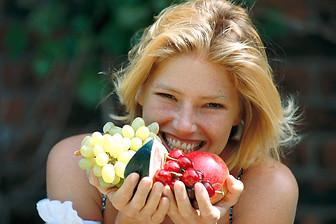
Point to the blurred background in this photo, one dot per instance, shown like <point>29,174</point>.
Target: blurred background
<point>53,53</point>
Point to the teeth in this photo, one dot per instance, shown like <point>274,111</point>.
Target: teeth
<point>174,143</point>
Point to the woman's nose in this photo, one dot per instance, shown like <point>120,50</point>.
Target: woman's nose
<point>184,122</point>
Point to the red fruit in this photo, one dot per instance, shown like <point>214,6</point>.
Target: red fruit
<point>209,188</point>
<point>214,171</point>
<point>163,176</point>
<point>200,174</point>
<point>184,162</point>
<point>171,184</point>
<point>174,154</point>
<point>172,166</point>
<point>190,177</point>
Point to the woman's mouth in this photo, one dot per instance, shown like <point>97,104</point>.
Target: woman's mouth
<point>186,147</point>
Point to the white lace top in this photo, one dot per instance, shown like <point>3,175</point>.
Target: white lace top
<point>57,212</point>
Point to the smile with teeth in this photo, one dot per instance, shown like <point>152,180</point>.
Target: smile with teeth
<point>185,147</point>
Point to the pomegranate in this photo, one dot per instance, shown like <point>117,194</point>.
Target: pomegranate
<point>214,172</point>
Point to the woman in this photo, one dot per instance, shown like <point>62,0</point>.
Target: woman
<point>201,72</point>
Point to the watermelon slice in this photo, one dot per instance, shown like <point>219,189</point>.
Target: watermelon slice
<point>147,160</point>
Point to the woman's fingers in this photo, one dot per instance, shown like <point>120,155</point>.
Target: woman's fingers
<point>206,210</point>
<point>124,194</point>
<point>139,199</point>
<point>234,189</point>
<point>153,199</point>
<point>161,212</point>
<point>182,200</point>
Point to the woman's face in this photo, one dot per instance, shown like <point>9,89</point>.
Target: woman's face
<point>194,102</point>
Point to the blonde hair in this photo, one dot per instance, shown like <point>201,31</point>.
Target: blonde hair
<point>225,34</point>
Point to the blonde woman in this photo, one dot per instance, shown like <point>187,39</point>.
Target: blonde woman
<point>202,73</point>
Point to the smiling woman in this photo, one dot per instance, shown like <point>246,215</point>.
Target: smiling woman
<point>194,102</point>
<point>200,71</point>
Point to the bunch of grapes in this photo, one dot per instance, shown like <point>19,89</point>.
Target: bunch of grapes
<point>180,167</point>
<point>107,154</point>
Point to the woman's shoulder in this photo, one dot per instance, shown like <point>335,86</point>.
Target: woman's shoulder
<point>272,172</point>
<point>270,191</point>
<point>67,182</point>
<point>62,155</point>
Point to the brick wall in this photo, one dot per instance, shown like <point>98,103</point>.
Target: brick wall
<point>36,113</point>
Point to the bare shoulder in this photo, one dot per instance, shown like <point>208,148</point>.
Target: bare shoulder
<point>270,194</point>
<point>67,182</point>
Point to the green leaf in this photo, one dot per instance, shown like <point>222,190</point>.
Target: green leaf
<point>48,18</point>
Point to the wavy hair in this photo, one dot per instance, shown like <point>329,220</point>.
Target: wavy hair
<point>224,33</point>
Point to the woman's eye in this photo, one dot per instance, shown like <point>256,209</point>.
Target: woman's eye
<point>215,105</point>
<point>166,95</point>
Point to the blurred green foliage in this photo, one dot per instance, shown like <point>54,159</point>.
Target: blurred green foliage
<point>53,32</point>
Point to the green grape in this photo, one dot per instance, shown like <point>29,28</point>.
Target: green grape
<point>86,151</point>
<point>126,156</point>
<point>114,130</point>
<point>102,159</point>
<point>116,180</point>
<point>96,138</point>
<point>85,163</point>
<point>116,146</point>
<point>137,123</point>
<point>127,131</point>
<point>117,137</point>
<point>103,184</point>
<point>125,144</point>
<point>108,173</point>
<point>97,170</point>
<point>108,126</point>
<point>136,143</point>
<point>97,149</point>
<point>154,136</point>
<point>142,132</point>
<point>154,128</point>
<point>119,168</point>
<point>86,141</point>
<point>107,142</point>
<point>121,181</point>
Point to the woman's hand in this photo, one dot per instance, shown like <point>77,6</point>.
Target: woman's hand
<point>181,211</point>
<point>137,202</point>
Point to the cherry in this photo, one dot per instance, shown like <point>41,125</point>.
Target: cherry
<point>171,184</point>
<point>174,154</point>
<point>184,162</point>
<point>190,177</point>
<point>211,191</point>
<point>200,174</point>
<point>191,193</point>
<point>163,176</point>
<point>172,166</point>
